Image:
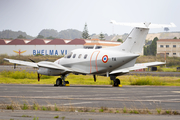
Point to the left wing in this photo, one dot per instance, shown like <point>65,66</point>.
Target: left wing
<point>31,64</point>
<point>137,67</point>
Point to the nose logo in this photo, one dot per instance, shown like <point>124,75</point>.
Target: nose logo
<point>105,59</point>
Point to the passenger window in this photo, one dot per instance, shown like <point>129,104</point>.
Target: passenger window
<point>80,56</point>
<point>69,56</point>
<point>74,55</point>
<point>85,56</point>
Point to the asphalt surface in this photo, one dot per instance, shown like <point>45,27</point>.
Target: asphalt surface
<point>18,68</point>
<point>140,97</point>
<point>47,115</point>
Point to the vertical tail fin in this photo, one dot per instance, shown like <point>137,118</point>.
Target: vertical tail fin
<point>134,42</point>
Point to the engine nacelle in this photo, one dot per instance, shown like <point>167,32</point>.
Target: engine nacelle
<point>50,72</point>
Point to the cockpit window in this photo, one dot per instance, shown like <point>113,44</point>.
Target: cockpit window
<point>80,56</point>
<point>74,55</point>
<point>69,55</point>
<point>85,56</point>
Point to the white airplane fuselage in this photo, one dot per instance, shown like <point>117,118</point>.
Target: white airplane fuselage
<point>95,61</point>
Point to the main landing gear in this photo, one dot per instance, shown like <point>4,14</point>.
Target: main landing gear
<point>116,81</point>
<point>61,81</point>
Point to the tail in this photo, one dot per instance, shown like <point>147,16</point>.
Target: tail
<point>134,42</point>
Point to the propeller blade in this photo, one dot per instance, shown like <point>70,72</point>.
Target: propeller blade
<point>32,60</point>
<point>94,78</point>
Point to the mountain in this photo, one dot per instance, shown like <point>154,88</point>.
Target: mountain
<point>64,34</point>
<point>49,32</point>
<point>9,34</point>
<point>72,34</point>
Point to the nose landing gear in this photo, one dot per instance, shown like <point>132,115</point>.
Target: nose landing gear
<point>61,81</point>
<point>117,82</point>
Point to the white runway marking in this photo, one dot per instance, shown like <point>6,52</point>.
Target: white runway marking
<point>77,103</point>
<point>175,91</point>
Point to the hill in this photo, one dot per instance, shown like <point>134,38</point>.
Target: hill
<point>9,34</point>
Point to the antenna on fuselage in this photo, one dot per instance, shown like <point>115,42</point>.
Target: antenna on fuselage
<point>94,47</point>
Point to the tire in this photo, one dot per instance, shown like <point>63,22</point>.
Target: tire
<point>67,82</point>
<point>59,82</point>
<point>116,83</point>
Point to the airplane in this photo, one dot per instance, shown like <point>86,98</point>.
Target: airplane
<point>110,62</point>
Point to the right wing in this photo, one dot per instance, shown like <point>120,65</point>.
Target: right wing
<point>137,67</point>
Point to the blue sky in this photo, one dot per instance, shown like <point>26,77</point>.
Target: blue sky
<point>31,16</point>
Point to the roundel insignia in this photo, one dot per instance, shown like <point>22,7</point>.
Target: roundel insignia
<point>105,59</point>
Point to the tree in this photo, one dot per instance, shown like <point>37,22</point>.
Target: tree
<point>101,36</point>
<point>85,33</point>
<point>175,38</point>
<point>40,36</point>
<point>120,40</point>
<point>151,49</point>
<point>50,37</point>
<point>166,29</point>
<point>21,37</point>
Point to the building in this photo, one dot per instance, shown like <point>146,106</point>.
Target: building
<point>50,47</point>
<point>170,47</point>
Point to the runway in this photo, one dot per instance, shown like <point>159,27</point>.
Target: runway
<point>140,97</point>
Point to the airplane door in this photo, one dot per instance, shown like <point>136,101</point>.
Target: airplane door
<point>93,62</point>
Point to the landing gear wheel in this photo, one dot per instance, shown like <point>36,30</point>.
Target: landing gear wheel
<point>58,82</point>
<point>116,82</point>
<point>66,82</point>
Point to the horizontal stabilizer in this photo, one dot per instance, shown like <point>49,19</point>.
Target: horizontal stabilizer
<point>137,67</point>
<point>143,25</point>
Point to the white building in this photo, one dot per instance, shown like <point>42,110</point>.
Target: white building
<point>49,47</point>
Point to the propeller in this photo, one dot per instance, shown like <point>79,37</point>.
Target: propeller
<point>37,72</point>
<point>94,78</point>
<point>32,60</point>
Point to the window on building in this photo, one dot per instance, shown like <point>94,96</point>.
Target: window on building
<point>69,55</point>
<point>174,53</point>
<point>80,56</point>
<point>161,46</point>
<point>74,55</point>
<point>174,46</point>
<point>85,56</point>
<point>167,46</point>
<point>167,53</point>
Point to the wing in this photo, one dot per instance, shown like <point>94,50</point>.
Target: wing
<point>137,67</point>
<point>53,65</point>
<point>31,64</point>
<point>44,64</point>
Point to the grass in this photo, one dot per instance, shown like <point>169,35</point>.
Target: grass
<point>6,77</point>
<point>161,111</point>
<point>56,117</point>
<point>25,116</point>
<point>25,106</point>
<point>158,110</point>
<point>124,110</point>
